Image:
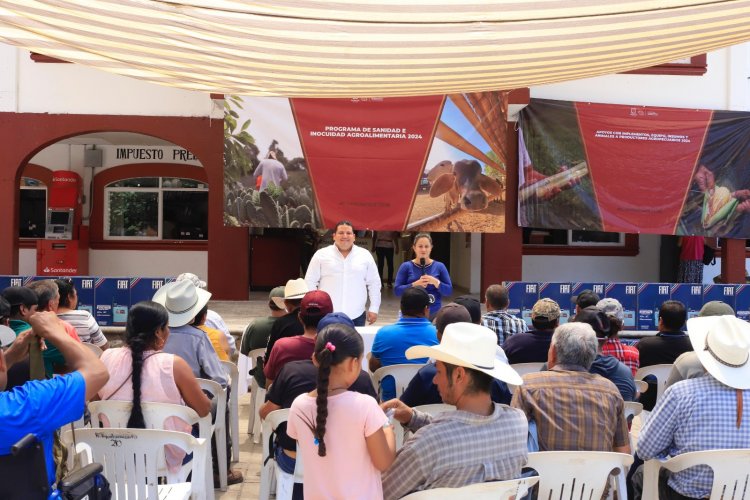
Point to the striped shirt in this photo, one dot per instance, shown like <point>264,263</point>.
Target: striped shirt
<point>628,354</point>
<point>85,325</point>
<point>694,415</point>
<point>504,325</point>
<point>458,448</point>
<point>573,410</point>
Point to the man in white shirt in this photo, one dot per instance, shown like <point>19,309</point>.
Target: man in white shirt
<point>348,274</point>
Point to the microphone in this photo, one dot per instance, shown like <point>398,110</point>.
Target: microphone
<point>422,265</point>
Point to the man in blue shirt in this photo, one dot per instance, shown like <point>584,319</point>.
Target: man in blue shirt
<point>392,341</point>
<point>42,406</point>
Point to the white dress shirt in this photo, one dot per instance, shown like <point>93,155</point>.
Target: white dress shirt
<point>348,280</point>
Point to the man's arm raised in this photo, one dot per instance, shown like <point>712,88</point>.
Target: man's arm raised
<point>77,356</point>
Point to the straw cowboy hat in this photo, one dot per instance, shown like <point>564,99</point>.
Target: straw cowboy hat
<point>722,344</point>
<point>183,300</point>
<point>471,346</point>
<point>294,289</point>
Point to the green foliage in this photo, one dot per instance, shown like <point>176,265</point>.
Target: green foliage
<point>240,151</point>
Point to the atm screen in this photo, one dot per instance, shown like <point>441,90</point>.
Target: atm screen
<point>61,218</point>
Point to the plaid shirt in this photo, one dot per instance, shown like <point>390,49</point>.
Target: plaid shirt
<point>504,325</point>
<point>458,448</point>
<point>628,354</point>
<point>694,415</point>
<point>573,410</point>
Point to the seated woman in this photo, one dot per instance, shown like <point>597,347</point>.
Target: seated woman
<point>67,310</point>
<point>140,371</point>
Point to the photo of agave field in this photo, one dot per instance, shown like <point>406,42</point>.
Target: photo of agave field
<point>247,142</point>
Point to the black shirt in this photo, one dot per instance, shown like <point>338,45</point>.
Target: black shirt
<point>300,377</point>
<point>529,347</point>
<point>661,349</point>
<point>288,325</point>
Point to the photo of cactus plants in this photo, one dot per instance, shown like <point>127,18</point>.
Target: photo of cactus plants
<point>285,201</point>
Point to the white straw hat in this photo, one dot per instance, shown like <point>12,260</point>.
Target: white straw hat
<point>471,346</point>
<point>294,289</point>
<point>183,300</point>
<point>7,336</point>
<point>722,344</point>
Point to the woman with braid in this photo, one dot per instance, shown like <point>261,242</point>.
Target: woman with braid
<point>140,371</point>
<point>344,437</point>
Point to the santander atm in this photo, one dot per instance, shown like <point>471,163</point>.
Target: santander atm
<point>64,249</point>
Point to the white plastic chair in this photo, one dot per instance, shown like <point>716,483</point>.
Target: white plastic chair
<point>132,459</point>
<point>117,414</point>
<point>641,386</point>
<point>270,474</point>
<point>95,349</point>
<point>632,409</point>
<point>731,472</point>
<point>219,426</point>
<point>435,409</point>
<point>257,397</point>
<point>578,475</point>
<point>661,372</point>
<point>494,490</point>
<point>243,366</point>
<point>523,369</point>
<point>234,408</point>
<point>401,373</point>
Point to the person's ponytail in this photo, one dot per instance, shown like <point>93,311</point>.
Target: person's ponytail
<point>324,357</point>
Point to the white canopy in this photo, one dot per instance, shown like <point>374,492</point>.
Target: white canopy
<point>370,48</point>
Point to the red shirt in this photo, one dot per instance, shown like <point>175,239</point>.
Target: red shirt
<point>691,248</point>
<point>285,350</point>
<point>628,354</point>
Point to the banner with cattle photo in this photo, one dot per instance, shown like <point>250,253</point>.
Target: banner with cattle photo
<point>634,169</point>
<point>433,163</point>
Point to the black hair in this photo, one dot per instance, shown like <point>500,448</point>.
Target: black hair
<point>541,324</point>
<point>480,381</point>
<point>673,314</point>
<point>342,223</point>
<point>497,297</point>
<point>200,316</point>
<point>144,319</point>
<point>346,343</point>
<point>294,302</point>
<point>311,320</point>
<point>597,319</point>
<point>67,289</point>
<point>615,326</point>
<point>414,300</point>
<point>272,305</point>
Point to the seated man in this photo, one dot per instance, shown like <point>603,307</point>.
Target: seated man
<point>481,441</point>
<point>42,406</point>
<point>314,306</point>
<point>590,406</point>
<point>607,366</point>
<point>300,377</point>
<point>703,413</point>
<point>497,318</point>
<point>422,389</point>
<point>532,346</point>
<point>258,332</point>
<point>287,325</point>
<point>412,328</point>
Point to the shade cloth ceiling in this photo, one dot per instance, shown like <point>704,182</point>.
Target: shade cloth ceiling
<point>370,48</point>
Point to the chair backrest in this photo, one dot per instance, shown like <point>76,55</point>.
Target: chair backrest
<point>402,375</point>
<point>524,368</point>
<point>270,423</point>
<point>494,490</point>
<point>132,458</point>
<point>23,472</point>
<point>254,355</point>
<point>95,349</point>
<point>435,409</point>
<point>632,409</point>
<point>731,470</point>
<point>576,475</point>
<point>154,414</point>
<point>660,372</point>
<point>216,391</point>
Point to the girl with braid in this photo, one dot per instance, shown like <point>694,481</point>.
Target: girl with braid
<point>140,371</point>
<point>344,437</point>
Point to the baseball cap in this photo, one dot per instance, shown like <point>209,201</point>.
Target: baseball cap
<point>449,314</point>
<point>716,308</point>
<point>316,303</point>
<point>472,305</point>
<point>277,293</point>
<point>597,318</point>
<point>334,319</point>
<point>545,309</point>
<point>612,308</point>
<point>586,298</point>
<point>4,307</point>
<point>19,295</point>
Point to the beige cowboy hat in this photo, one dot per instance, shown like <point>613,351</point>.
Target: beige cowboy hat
<point>722,344</point>
<point>471,346</point>
<point>294,289</point>
<point>182,300</point>
<point>7,336</point>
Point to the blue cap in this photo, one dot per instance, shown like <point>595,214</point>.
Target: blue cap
<point>335,318</point>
